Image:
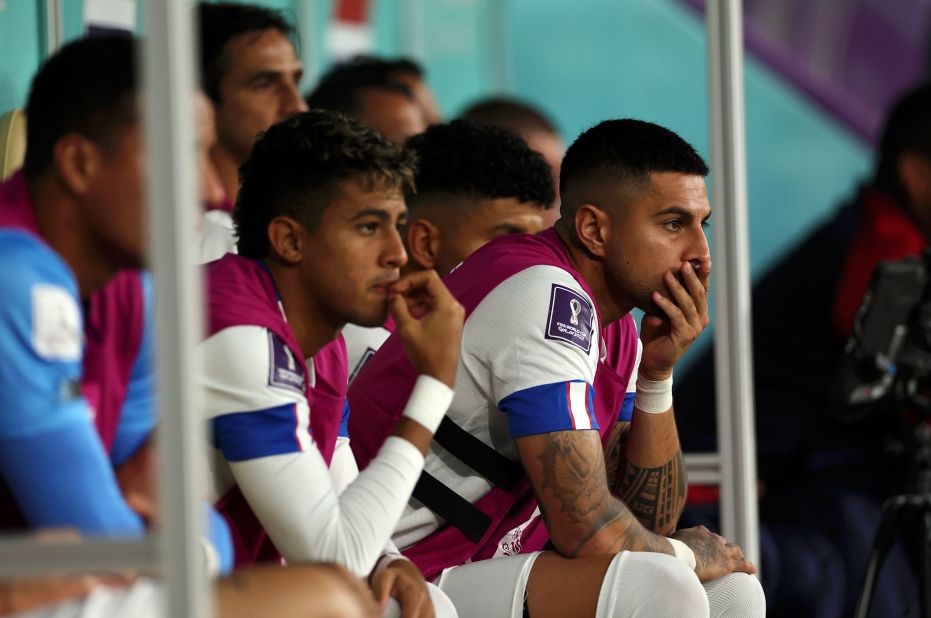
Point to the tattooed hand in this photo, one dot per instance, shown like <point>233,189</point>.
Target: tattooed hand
<point>714,556</point>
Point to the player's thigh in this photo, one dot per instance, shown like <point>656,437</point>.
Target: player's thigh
<point>489,587</point>
<point>626,585</point>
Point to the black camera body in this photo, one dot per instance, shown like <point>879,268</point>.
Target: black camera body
<point>887,360</point>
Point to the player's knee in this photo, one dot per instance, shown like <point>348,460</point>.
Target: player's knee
<point>442,606</point>
<point>736,595</point>
<point>645,584</point>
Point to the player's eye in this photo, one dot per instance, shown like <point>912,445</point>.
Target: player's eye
<point>368,228</point>
<point>673,225</point>
<point>261,83</point>
<point>706,223</point>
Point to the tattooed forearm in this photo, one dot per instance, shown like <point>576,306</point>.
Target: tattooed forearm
<point>574,495</point>
<point>570,472</point>
<point>655,495</point>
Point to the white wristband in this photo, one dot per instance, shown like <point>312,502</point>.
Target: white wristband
<point>683,552</point>
<point>653,397</point>
<point>428,402</point>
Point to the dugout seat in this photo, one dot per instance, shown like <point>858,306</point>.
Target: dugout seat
<point>12,142</point>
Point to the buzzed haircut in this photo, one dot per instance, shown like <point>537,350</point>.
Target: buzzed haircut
<point>908,129</point>
<point>512,114</point>
<point>462,159</point>
<point>296,168</point>
<point>87,87</point>
<point>342,87</point>
<point>223,21</point>
<point>624,152</point>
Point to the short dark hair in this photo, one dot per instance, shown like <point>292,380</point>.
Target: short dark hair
<point>388,66</point>
<point>624,151</point>
<point>341,88</point>
<point>512,114</point>
<point>463,159</point>
<point>87,87</point>
<point>908,128</point>
<point>221,22</point>
<point>296,167</point>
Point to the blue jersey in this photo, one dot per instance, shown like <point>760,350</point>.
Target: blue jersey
<point>51,457</point>
<point>54,468</point>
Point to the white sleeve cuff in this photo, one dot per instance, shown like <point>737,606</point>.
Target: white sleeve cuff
<point>428,402</point>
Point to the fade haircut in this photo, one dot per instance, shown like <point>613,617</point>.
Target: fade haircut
<point>462,159</point>
<point>624,152</point>
<point>908,129</point>
<point>223,21</point>
<point>87,87</point>
<point>341,88</point>
<point>510,114</point>
<point>296,169</point>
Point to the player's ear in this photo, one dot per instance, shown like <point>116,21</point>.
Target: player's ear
<point>591,228</point>
<point>423,243</point>
<point>284,236</point>
<point>76,160</point>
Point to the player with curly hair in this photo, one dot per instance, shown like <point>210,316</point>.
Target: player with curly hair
<point>317,218</point>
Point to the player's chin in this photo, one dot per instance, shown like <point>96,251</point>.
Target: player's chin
<point>374,313</point>
<point>652,309</point>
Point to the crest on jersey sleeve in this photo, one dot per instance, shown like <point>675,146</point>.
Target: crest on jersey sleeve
<point>283,369</point>
<point>57,331</point>
<point>571,318</point>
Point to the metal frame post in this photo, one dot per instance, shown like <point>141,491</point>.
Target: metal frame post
<point>307,31</point>
<point>733,345</point>
<point>411,29</point>
<point>170,135</point>
<point>500,59</point>
<point>54,27</point>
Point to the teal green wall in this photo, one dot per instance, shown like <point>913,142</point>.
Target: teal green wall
<point>582,62</point>
<point>21,48</point>
<point>591,60</point>
<point>646,59</point>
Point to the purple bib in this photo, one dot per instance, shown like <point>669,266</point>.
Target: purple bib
<point>240,292</point>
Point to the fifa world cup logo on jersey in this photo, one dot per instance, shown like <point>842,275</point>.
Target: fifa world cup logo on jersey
<point>292,366</point>
<point>576,308</point>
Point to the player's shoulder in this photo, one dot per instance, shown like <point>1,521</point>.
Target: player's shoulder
<point>250,367</point>
<point>35,263</point>
<point>240,350</point>
<point>542,290</point>
<point>40,298</point>
<point>543,303</point>
<point>540,279</point>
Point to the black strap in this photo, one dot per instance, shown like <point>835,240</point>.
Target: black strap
<point>485,460</point>
<point>482,458</point>
<point>452,507</point>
